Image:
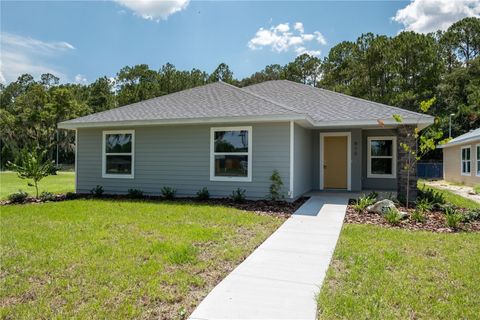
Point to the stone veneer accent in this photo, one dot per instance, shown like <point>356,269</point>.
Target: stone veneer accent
<point>405,135</point>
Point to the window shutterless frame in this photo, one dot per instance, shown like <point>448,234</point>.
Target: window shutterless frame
<point>104,155</point>
<point>213,177</point>
<point>393,157</point>
<point>467,162</point>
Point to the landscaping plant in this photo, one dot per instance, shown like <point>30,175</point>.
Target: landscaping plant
<point>436,198</point>
<point>453,218</point>
<point>392,216</point>
<point>97,191</point>
<point>276,186</point>
<point>135,194</point>
<point>47,196</point>
<point>238,195</point>
<point>18,197</point>
<point>203,194</point>
<point>32,166</point>
<point>362,203</point>
<point>168,193</point>
<point>418,215</point>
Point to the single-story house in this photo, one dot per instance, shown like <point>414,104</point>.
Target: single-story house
<point>461,159</point>
<point>223,137</point>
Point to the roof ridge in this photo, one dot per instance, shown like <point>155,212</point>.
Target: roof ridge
<point>263,98</point>
<point>353,98</point>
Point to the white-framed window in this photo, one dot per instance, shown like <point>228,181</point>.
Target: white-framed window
<point>382,157</point>
<point>466,162</point>
<point>118,154</point>
<point>478,160</point>
<point>231,154</point>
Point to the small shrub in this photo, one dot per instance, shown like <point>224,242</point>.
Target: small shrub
<point>362,203</point>
<point>135,194</point>
<point>238,195</point>
<point>47,196</point>
<point>434,197</point>
<point>472,215</point>
<point>276,186</point>
<point>203,194</point>
<point>424,205</point>
<point>392,216</point>
<point>418,215</point>
<point>168,193</point>
<point>97,191</point>
<point>18,197</point>
<point>373,195</point>
<point>453,219</point>
<point>70,195</point>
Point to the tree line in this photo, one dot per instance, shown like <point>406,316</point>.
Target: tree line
<point>401,71</point>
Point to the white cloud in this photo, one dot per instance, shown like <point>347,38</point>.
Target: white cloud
<point>299,27</point>
<point>431,15</point>
<point>302,50</point>
<point>281,38</point>
<point>80,78</point>
<point>21,55</point>
<point>154,9</point>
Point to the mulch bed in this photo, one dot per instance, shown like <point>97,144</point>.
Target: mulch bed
<point>434,222</point>
<point>277,208</point>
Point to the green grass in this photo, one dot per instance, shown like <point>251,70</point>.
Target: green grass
<point>380,273</point>
<point>60,183</point>
<point>476,188</point>
<point>452,198</point>
<point>119,259</point>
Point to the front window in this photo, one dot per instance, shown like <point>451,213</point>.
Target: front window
<point>466,162</point>
<point>118,153</point>
<point>231,158</point>
<point>382,157</point>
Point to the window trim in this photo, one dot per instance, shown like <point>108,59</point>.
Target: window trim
<point>248,178</point>
<point>477,169</point>
<point>104,155</point>
<point>461,161</point>
<point>393,157</point>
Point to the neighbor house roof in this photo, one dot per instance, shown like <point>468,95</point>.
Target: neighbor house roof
<point>473,135</point>
<point>269,101</point>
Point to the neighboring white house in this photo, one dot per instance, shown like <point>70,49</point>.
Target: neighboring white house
<point>461,159</point>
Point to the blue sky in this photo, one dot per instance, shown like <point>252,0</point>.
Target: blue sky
<point>81,41</point>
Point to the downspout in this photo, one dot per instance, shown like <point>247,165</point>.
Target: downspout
<point>292,139</point>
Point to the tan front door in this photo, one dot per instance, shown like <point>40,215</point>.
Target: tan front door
<point>335,169</point>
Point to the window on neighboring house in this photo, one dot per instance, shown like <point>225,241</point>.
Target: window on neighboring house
<point>118,154</point>
<point>478,160</point>
<point>231,154</point>
<point>382,157</point>
<point>466,162</point>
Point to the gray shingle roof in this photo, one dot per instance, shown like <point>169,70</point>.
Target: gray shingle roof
<point>212,100</point>
<point>473,135</point>
<point>269,100</point>
<point>325,105</point>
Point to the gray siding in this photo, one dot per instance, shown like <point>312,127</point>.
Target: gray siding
<point>303,161</point>
<point>376,183</point>
<point>179,157</point>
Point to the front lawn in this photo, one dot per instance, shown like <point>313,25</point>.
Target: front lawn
<point>61,183</point>
<point>119,259</point>
<point>380,273</point>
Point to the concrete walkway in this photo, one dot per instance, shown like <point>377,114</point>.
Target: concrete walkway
<point>281,278</point>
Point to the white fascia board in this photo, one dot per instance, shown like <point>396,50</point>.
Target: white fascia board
<point>272,118</point>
